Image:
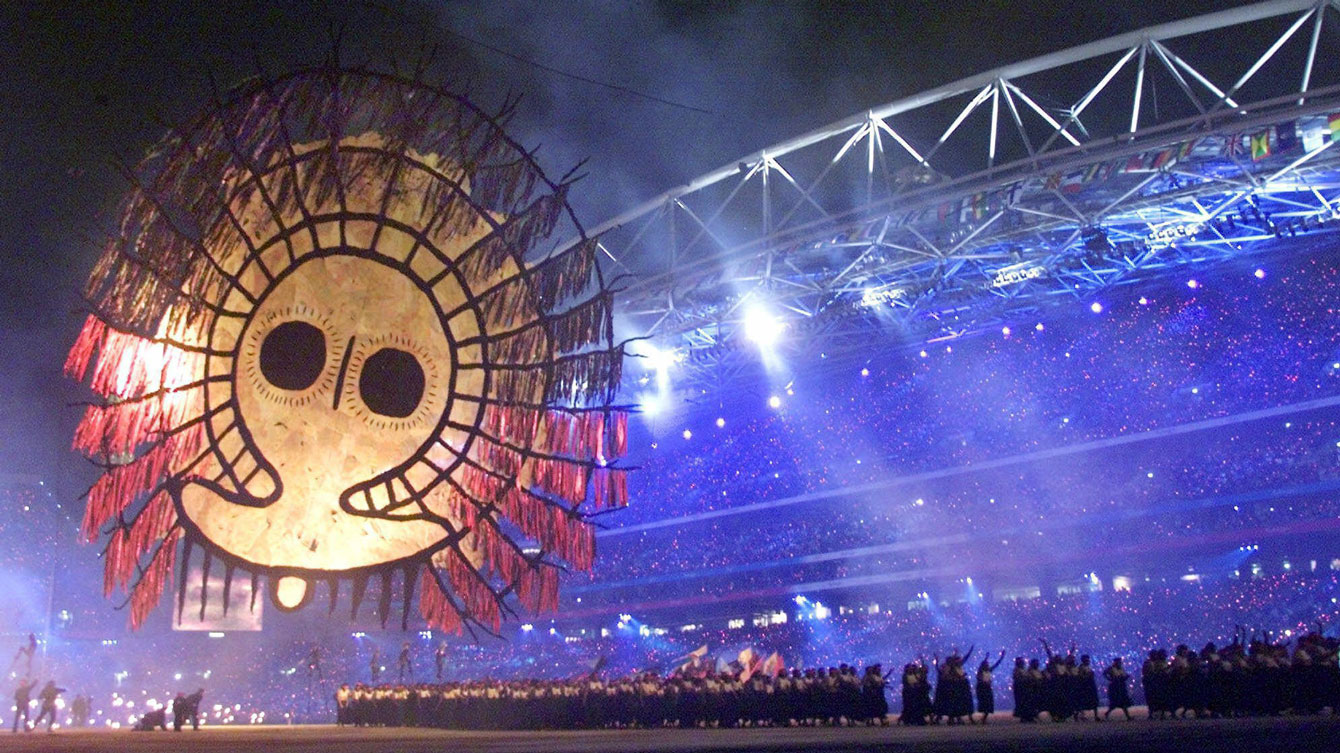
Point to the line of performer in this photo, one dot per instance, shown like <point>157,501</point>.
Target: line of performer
<point>1246,677</point>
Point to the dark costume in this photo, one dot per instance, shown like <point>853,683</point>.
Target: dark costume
<point>152,719</point>
<point>1118,695</point>
<point>916,695</point>
<point>874,706</point>
<point>187,708</point>
<point>953,694</point>
<point>22,696</point>
<point>986,692</point>
<point>48,711</point>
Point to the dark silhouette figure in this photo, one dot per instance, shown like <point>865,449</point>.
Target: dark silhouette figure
<point>48,698</point>
<point>22,695</point>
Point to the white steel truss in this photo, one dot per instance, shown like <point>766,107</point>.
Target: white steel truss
<point>971,203</point>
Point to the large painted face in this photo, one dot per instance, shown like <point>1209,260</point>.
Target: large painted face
<point>342,374</point>
<point>352,363</point>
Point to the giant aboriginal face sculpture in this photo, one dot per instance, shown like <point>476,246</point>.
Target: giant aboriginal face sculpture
<point>333,341</point>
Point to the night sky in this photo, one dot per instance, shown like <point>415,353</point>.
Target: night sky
<point>86,86</point>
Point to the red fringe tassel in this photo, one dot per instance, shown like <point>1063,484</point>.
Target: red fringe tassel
<point>435,607</point>
<point>118,488</point>
<point>146,593</point>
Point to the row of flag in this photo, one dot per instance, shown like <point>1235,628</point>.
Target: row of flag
<point>1303,135</point>
<point>747,664</point>
<point>1310,133</point>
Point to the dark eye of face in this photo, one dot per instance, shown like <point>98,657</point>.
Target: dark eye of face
<point>391,383</point>
<point>293,355</point>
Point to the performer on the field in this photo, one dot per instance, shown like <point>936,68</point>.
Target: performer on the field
<point>193,707</point>
<point>1025,696</point>
<point>25,654</point>
<point>1086,689</point>
<point>79,711</point>
<point>375,665</point>
<point>48,698</point>
<point>314,664</point>
<point>1118,695</point>
<point>403,665</point>
<point>342,698</point>
<point>953,694</point>
<point>440,659</point>
<point>1154,678</point>
<point>178,711</point>
<point>916,695</point>
<point>22,696</point>
<point>986,694</point>
<point>875,705</point>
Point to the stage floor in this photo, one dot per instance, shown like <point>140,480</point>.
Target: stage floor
<point>1295,735</point>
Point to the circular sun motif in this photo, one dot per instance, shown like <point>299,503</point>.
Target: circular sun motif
<point>332,343</point>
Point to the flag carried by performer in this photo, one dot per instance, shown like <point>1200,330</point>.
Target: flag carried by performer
<point>750,662</point>
<point>691,661</point>
<point>773,665</point>
<point>596,666</point>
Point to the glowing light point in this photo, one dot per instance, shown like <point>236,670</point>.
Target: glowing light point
<point>688,434</point>
<point>661,360</point>
<point>865,372</point>
<point>721,423</point>
<point>1259,274</point>
<point>1096,307</point>
<point>1192,284</point>
<point>924,354</point>
<point>1144,301</point>
<point>774,402</point>
<point>762,327</point>
<point>1039,327</point>
<point>1005,331</point>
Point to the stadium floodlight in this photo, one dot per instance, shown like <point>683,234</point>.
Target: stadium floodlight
<point>661,360</point>
<point>762,327</point>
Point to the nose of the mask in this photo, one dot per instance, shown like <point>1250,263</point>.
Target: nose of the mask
<point>343,372</point>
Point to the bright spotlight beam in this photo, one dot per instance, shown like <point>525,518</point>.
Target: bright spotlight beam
<point>762,327</point>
